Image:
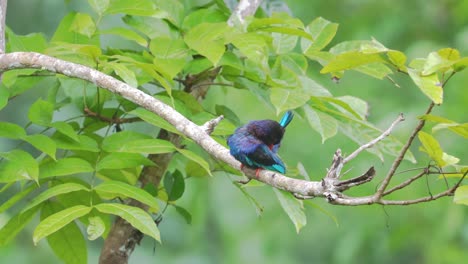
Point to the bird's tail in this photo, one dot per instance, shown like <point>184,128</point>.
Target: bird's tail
<point>286,119</point>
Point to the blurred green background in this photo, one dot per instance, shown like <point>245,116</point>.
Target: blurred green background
<point>225,226</point>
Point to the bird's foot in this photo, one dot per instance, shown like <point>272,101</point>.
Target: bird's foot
<point>257,172</point>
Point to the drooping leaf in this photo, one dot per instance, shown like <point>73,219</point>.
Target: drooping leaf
<point>293,208</point>
<point>42,143</point>
<point>18,165</point>
<point>174,184</point>
<point>111,189</point>
<point>58,220</point>
<point>135,216</point>
<point>65,166</point>
<point>184,213</point>
<point>53,192</point>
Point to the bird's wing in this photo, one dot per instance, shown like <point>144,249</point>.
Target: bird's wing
<point>263,157</point>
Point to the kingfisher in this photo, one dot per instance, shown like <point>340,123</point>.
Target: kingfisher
<point>256,144</point>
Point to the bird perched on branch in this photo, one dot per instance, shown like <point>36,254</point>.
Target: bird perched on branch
<point>255,144</point>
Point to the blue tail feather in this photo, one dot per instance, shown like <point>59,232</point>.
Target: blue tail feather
<point>286,119</point>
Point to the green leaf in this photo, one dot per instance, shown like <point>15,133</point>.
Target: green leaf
<point>55,191</point>
<point>207,39</point>
<point>41,112</point>
<point>111,189</point>
<point>444,123</point>
<point>135,7</point>
<point>461,195</point>
<point>203,15</point>
<point>293,208</point>
<point>4,96</point>
<point>441,60</point>
<point>134,216</point>
<point>326,125</point>
<point>149,26</point>
<point>95,228</point>
<point>173,11</point>
<point>148,146</point>
<point>429,85</point>
<point>58,220</point>
<point>252,200</point>
<point>63,34</point>
<point>122,161</point>
<point>10,130</point>
<point>18,165</point>
<point>184,213</point>
<point>99,6</point>
<point>194,157</point>
<point>154,119</point>
<point>174,184</point>
<point>85,143</point>
<point>397,58</point>
<point>66,129</point>
<point>35,42</point>
<point>285,99</point>
<point>42,143</point>
<point>432,147</point>
<point>253,46</point>
<point>123,72</point>
<point>351,60</point>
<point>322,31</point>
<point>83,24</point>
<point>126,34</point>
<point>9,231</point>
<point>17,197</point>
<point>170,55</point>
<point>67,243</point>
<point>65,166</point>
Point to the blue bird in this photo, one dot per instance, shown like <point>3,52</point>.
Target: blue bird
<point>255,144</point>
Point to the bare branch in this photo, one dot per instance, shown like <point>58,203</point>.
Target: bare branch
<point>110,120</point>
<point>406,183</point>
<point>370,144</point>
<point>3,9</point>
<point>400,156</point>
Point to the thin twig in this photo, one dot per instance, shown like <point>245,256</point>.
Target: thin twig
<point>400,156</point>
<point>406,183</point>
<point>374,141</point>
<point>111,120</point>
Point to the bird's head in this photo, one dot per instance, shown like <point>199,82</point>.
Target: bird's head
<point>268,131</point>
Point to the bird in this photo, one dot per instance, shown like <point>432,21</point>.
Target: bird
<point>256,144</point>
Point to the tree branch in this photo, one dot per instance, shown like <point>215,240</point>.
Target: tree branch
<point>244,9</point>
<point>330,187</point>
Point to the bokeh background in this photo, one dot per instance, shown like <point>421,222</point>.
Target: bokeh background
<point>225,226</point>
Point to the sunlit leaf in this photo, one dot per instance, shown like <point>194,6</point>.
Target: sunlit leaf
<point>461,195</point>
<point>135,7</point>
<point>42,143</point>
<point>111,189</point>
<point>99,6</point>
<point>18,165</point>
<point>41,112</point>
<point>83,24</point>
<point>126,34</point>
<point>322,31</point>
<point>207,39</point>
<point>95,228</point>
<point>285,99</point>
<point>135,216</point>
<point>10,130</point>
<point>58,220</point>
<point>53,192</point>
<point>429,85</point>
<point>122,160</point>
<point>65,166</point>
<point>432,147</point>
